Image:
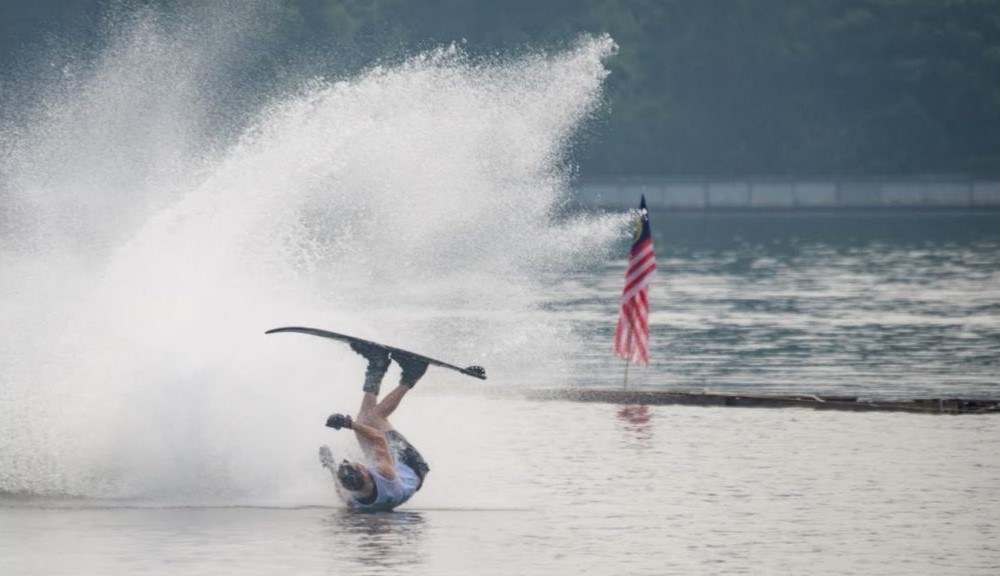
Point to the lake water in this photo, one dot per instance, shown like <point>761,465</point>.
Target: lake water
<point>149,238</point>
<point>559,488</point>
<point>874,304</point>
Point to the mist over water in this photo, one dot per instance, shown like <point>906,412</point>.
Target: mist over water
<point>144,256</point>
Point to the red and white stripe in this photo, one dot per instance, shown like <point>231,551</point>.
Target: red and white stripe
<point>632,335</point>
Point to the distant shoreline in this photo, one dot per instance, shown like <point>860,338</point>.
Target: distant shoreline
<point>653,397</point>
<point>789,194</point>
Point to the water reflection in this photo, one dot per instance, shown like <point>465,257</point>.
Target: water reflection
<point>382,542</point>
<point>635,421</point>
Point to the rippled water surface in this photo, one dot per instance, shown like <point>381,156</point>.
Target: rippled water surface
<point>148,426</point>
<point>559,488</point>
<point>874,304</point>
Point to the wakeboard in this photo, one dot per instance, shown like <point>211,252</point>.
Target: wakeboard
<point>474,371</point>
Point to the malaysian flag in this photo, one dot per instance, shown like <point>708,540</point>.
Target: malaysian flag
<point>632,336</point>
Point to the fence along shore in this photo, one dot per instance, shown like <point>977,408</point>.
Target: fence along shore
<point>784,194</point>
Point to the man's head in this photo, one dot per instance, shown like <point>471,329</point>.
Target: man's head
<point>353,476</point>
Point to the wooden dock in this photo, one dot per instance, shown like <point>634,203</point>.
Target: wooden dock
<point>849,403</point>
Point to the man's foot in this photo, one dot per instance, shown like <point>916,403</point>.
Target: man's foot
<point>378,364</point>
<point>413,369</point>
<point>326,457</point>
<point>338,421</point>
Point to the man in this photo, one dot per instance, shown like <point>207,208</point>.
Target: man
<point>394,470</point>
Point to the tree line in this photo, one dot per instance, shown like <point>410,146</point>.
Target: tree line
<point>706,88</point>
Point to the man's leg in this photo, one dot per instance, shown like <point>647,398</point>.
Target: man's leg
<point>388,405</point>
<point>368,426</point>
<point>378,364</point>
<point>413,370</point>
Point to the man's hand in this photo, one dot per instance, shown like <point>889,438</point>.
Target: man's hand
<point>338,421</point>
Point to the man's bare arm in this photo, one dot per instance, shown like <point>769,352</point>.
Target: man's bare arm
<point>380,448</point>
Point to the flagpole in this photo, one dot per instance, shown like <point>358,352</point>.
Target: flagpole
<point>632,334</point>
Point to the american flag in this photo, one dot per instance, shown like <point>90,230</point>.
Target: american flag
<point>632,336</point>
